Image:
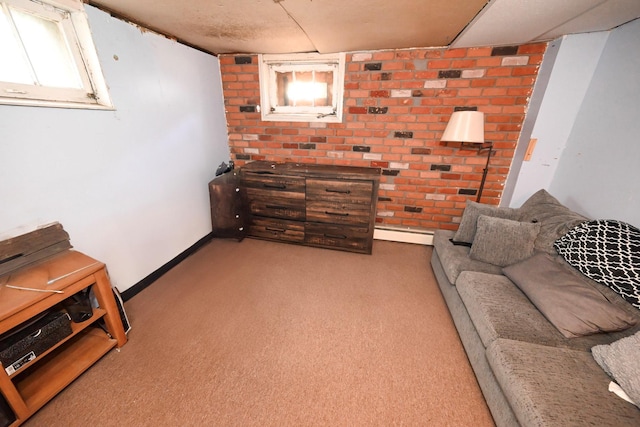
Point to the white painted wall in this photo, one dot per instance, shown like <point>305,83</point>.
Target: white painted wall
<point>575,62</point>
<point>130,186</point>
<point>599,171</point>
<point>588,151</point>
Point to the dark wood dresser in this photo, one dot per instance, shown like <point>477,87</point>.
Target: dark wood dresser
<point>316,205</point>
<point>228,208</point>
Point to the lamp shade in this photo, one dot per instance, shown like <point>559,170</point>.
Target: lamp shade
<point>465,126</point>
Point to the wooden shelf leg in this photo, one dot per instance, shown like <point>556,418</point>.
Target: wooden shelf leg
<point>106,299</point>
<point>13,396</point>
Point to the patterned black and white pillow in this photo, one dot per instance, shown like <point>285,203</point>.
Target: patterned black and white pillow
<point>608,252</point>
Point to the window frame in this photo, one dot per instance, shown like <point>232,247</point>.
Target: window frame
<point>269,64</point>
<point>74,25</point>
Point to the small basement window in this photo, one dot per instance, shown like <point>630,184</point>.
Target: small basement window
<point>47,56</point>
<point>302,87</point>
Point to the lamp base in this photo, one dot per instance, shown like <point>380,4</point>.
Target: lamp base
<point>485,170</point>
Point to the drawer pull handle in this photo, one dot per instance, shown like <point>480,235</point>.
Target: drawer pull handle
<point>330,190</point>
<point>278,186</point>
<point>275,230</point>
<point>335,236</point>
<point>337,213</point>
<point>275,207</point>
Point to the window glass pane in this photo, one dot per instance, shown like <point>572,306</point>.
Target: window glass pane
<point>282,82</point>
<point>14,67</point>
<point>304,88</point>
<point>301,91</point>
<point>47,49</point>
<point>325,78</point>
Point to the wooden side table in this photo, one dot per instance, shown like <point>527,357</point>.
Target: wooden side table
<point>47,284</point>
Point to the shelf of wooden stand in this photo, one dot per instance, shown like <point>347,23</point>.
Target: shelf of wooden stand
<point>60,367</point>
<point>76,328</point>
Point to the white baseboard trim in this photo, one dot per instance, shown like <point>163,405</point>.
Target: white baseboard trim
<point>403,235</point>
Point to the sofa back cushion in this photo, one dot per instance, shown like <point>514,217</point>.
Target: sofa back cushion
<point>554,218</point>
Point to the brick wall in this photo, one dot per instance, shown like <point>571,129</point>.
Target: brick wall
<point>396,106</point>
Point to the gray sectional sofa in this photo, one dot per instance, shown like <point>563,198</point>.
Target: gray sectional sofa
<point>532,372</point>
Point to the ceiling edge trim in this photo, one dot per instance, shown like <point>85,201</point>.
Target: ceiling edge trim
<point>145,28</point>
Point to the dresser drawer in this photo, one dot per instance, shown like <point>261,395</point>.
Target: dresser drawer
<point>278,207</point>
<point>268,186</point>
<point>351,192</point>
<point>277,229</point>
<point>338,213</point>
<point>357,239</point>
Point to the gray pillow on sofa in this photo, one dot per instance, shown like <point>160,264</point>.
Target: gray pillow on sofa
<point>621,360</point>
<point>467,229</point>
<point>565,298</point>
<point>503,242</point>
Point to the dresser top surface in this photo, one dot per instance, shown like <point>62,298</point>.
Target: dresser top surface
<point>311,170</point>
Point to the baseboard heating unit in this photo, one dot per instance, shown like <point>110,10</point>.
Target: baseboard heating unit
<point>404,235</point>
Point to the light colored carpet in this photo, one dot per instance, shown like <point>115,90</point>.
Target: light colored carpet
<point>256,333</point>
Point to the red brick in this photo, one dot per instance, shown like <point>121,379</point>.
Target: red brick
<point>426,75</point>
<point>483,82</point>
<point>379,93</point>
<point>508,81</point>
<point>384,56</point>
<point>519,91</point>
<point>357,110</point>
<point>391,66</point>
<point>403,75</point>
<point>375,164</point>
<point>464,63</point>
<point>492,61</point>
<point>479,51</point>
<point>455,53</point>
<point>532,48</point>
<point>524,71</point>
<point>226,59</point>
<point>498,72</point>
<point>439,64</point>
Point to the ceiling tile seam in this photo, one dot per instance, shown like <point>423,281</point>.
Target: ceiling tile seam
<point>573,18</point>
<point>279,3</point>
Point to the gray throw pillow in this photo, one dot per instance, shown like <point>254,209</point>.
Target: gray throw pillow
<point>565,298</point>
<point>503,242</point>
<point>621,360</point>
<point>467,229</point>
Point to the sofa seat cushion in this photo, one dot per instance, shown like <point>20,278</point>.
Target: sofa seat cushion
<point>499,309</point>
<point>548,386</point>
<point>455,258</point>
